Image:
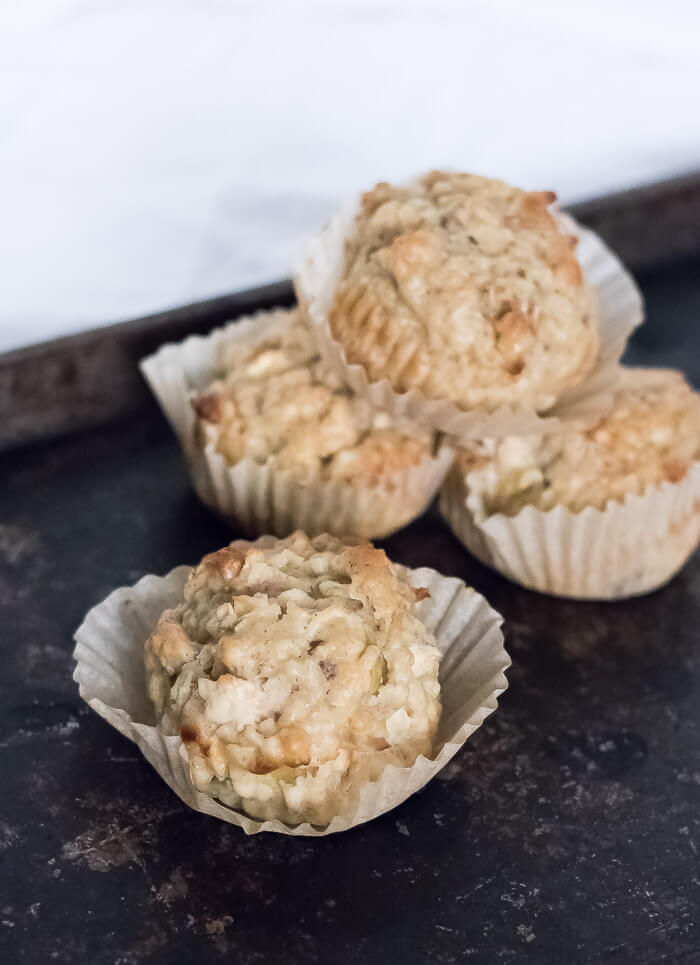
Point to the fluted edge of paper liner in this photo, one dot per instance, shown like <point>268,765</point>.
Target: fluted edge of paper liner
<point>625,550</point>
<point>262,496</point>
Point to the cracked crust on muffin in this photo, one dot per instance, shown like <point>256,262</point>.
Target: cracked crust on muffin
<point>295,671</point>
<point>466,289</point>
<point>650,436</point>
<point>275,401</point>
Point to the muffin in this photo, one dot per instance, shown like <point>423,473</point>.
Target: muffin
<point>295,671</point>
<point>278,443</point>
<point>113,679</point>
<point>275,402</point>
<point>465,289</point>
<point>607,508</point>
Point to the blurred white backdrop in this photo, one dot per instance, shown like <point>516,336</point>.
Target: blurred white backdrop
<point>153,153</point>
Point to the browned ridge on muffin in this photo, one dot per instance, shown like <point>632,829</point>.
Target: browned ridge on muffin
<point>650,436</point>
<point>276,401</point>
<point>295,671</point>
<point>466,289</point>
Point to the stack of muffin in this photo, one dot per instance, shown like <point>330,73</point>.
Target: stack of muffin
<point>448,335</point>
<point>454,335</point>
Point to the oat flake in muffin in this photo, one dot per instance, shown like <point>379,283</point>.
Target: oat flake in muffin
<point>650,436</point>
<point>275,400</point>
<point>464,288</point>
<point>295,670</point>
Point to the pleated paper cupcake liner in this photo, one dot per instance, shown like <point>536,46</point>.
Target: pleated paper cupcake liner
<point>625,550</point>
<point>111,676</point>
<point>261,496</point>
<point>620,311</point>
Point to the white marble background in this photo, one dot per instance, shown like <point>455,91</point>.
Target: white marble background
<point>153,153</point>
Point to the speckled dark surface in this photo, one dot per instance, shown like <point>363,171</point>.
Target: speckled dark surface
<point>566,831</point>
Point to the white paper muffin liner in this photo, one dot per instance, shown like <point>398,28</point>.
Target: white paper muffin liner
<point>620,311</point>
<point>625,550</point>
<point>261,496</point>
<point>111,676</point>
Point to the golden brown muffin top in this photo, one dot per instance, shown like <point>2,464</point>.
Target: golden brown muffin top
<point>276,400</point>
<point>466,289</point>
<point>292,669</point>
<point>650,436</point>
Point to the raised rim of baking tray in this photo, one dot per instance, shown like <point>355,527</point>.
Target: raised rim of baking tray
<point>91,377</point>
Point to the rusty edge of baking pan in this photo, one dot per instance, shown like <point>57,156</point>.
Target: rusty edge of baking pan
<point>82,380</point>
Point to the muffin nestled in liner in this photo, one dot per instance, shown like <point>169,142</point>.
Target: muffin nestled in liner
<point>607,509</point>
<point>292,685</point>
<point>275,441</point>
<point>460,302</point>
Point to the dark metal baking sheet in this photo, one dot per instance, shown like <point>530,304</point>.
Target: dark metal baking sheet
<point>566,831</point>
<point>82,380</point>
